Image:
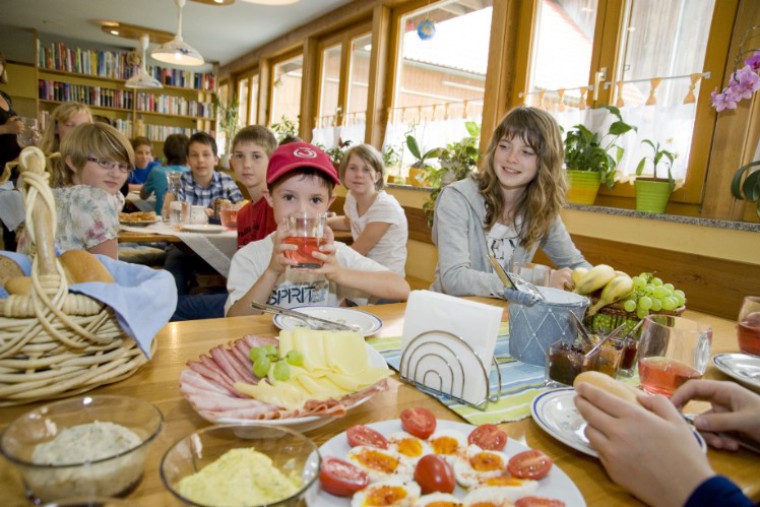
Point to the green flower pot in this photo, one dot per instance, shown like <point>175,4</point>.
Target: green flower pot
<point>652,195</point>
<point>584,186</point>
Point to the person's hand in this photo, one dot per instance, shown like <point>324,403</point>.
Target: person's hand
<point>649,450</point>
<point>209,212</point>
<point>278,263</point>
<point>734,408</point>
<point>14,125</point>
<point>326,253</point>
<point>561,279</point>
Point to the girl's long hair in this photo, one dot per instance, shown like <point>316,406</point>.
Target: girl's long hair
<point>544,196</point>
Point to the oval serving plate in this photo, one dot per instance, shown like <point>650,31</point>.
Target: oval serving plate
<point>204,228</point>
<point>741,367</point>
<point>367,323</point>
<point>554,411</point>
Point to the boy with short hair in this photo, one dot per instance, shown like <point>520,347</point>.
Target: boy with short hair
<point>251,149</point>
<point>301,177</point>
<point>144,162</point>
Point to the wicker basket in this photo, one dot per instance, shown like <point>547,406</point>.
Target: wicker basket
<point>611,316</point>
<point>55,344</point>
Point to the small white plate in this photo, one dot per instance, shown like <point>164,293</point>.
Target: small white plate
<point>741,367</point>
<point>368,324</point>
<point>204,228</point>
<point>555,485</point>
<point>554,411</point>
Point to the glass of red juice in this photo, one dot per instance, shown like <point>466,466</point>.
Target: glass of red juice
<point>748,329</point>
<point>672,350</point>
<point>306,231</point>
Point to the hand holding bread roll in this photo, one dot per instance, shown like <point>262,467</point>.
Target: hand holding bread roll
<point>609,385</point>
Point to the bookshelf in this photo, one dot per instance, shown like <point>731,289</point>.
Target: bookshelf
<point>67,71</point>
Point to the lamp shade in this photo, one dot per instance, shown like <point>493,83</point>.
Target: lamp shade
<point>142,79</point>
<point>177,52</point>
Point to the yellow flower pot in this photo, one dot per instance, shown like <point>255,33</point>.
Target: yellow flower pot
<point>418,177</point>
<point>583,186</point>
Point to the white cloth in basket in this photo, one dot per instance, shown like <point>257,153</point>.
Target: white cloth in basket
<point>143,298</point>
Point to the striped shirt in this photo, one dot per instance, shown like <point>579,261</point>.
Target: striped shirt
<point>222,186</point>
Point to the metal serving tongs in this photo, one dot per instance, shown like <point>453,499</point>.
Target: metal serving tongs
<point>515,282</point>
<point>311,321</point>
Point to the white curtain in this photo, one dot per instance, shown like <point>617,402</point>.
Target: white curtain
<point>329,137</point>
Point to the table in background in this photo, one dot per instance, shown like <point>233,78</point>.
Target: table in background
<point>158,382</point>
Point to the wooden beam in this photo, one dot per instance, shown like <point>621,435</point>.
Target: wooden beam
<point>309,87</point>
<point>378,100</point>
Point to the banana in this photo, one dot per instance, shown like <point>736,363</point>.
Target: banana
<point>596,278</point>
<point>577,274</point>
<point>618,288</point>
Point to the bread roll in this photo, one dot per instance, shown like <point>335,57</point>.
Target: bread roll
<point>609,384</point>
<point>8,269</point>
<point>81,266</point>
<point>19,286</point>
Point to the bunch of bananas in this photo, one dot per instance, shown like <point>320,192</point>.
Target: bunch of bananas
<point>615,285</point>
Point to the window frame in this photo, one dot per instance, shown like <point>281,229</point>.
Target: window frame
<point>270,82</point>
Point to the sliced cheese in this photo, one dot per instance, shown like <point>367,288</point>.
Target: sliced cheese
<point>282,394</point>
<point>347,352</point>
<point>358,381</point>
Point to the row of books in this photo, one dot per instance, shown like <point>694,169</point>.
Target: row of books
<point>160,132</point>
<point>91,95</point>
<point>115,65</point>
<point>168,104</point>
<point>123,126</point>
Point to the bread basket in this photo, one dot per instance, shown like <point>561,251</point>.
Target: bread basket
<point>54,343</point>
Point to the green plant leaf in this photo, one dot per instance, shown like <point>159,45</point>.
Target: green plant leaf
<point>751,187</point>
<point>640,167</point>
<point>414,148</point>
<point>619,128</point>
<point>736,181</point>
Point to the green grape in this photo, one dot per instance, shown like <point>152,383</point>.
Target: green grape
<point>660,292</point>
<point>281,370</point>
<point>679,300</point>
<point>641,313</point>
<point>295,357</point>
<point>656,281</point>
<point>645,303</point>
<point>256,353</point>
<point>669,303</point>
<point>629,305</point>
<point>669,286</point>
<point>271,351</point>
<point>649,289</point>
<point>261,367</point>
<point>656,305</point>
<point>679,293</point>
<point>638,282</point>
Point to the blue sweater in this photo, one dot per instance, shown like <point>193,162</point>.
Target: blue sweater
<point>718,491</point>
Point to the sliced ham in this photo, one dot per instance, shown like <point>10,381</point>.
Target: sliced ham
<point>226,359</point>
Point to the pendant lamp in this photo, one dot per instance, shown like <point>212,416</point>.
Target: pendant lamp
<point>142,79</point>
<point>271,2</point>
<point>177,51</point>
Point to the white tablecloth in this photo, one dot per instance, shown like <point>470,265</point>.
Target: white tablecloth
<point>217,248</point>
<point>148,204</point>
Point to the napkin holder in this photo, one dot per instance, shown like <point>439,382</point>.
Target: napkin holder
<point>421,356</point>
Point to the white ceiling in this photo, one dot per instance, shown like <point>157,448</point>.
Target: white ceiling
<point>220,33</point>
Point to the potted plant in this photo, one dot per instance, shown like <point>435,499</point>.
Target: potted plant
<point>652,194</point>
<point>392,163</point>
<point>419,170</point>
<point>227,117</point>
<point>285,129</point>
<point>749,190</point>
<point>458,160</point>
<point>589,161</point>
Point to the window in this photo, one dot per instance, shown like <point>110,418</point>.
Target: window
<point>286,90</point>
<point>243,87</point>
<point>330,87</point>
<point>439,80</point>
<point>358,82</point>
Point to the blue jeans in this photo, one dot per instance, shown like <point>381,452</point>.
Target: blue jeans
<point>200,306</point>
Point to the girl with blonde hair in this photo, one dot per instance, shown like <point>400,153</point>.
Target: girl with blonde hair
<point>63,120</point>
<point>508,210</point>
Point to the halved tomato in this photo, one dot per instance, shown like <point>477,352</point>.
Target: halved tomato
<point>418,421</point>
<point>538,501</point>
<point>489,437</point>
<point>532,464</point>
<point>363,435</point>
<point>434,474</point>
<point>341,478</point>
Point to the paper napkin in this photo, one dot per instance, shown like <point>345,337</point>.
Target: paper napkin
<point>439,359</point>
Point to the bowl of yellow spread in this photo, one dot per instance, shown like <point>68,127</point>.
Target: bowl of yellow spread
<point>88,446</point>
<point>242,465</point>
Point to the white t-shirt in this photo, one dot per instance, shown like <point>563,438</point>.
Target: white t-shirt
<point>295,287</point>
<point>502,241</point>
<point>390,251</point>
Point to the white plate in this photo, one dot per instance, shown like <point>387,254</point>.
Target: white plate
<point>554,411</point>
<point>368,324</point>
<point>741,367</point>
<point>204,228</point>
<point>555,485</point>
<point>306,423</point>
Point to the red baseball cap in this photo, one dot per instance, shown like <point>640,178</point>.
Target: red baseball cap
<point>299,155</point>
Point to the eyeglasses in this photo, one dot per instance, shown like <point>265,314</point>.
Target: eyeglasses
<point>111,164</point>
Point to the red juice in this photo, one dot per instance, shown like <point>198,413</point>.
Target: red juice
<point>749,337</point>
<point>303,254</point>
<point>629,354</point>
<point>660,375</point>
<point>228,217</point>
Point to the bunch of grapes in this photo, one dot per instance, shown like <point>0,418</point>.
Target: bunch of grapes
<point>268,357</point>
<point>650,294</point>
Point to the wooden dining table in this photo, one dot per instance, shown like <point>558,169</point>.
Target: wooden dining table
<point>158,383</point>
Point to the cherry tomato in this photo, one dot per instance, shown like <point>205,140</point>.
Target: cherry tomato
<point>532,464</point>
<point>538,501</point>
<point>418,421</point>
<point>341,478</point>
<point>489,437</point>
<point>433,474</point>
<point>362,435</point>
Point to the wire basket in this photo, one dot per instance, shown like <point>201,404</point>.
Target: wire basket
<point>54,343</point>
<point>611,316</point>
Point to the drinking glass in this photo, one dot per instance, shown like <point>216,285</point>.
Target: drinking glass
<point>537,274</point>
<point>672,350</point>
<point>31,134</point>
<point>179,213</point>
<point>748,329</point>
<point>228,215</point>
<point>307,233</point>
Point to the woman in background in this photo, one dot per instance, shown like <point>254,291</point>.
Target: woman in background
<point>10,126</point>
<point>63,120</point>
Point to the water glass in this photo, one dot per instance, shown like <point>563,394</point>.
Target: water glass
<point>198,215</point>
<point>306,231</point>
<point>672,350</point>
<point>179,213</point>
<point>748,329</point>
<point>31,134</point>
<point>228,215</point>
<point>537,274</point>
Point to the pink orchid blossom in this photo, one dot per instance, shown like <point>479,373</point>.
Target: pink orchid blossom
<point>754,61</point>
<point>745,82</point>
<point>742,84</point>
<point>721,101</point>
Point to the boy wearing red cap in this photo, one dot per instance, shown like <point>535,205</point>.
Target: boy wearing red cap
<point>301,177</point>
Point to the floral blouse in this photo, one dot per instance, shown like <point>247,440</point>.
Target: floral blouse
<point>87,216</point>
